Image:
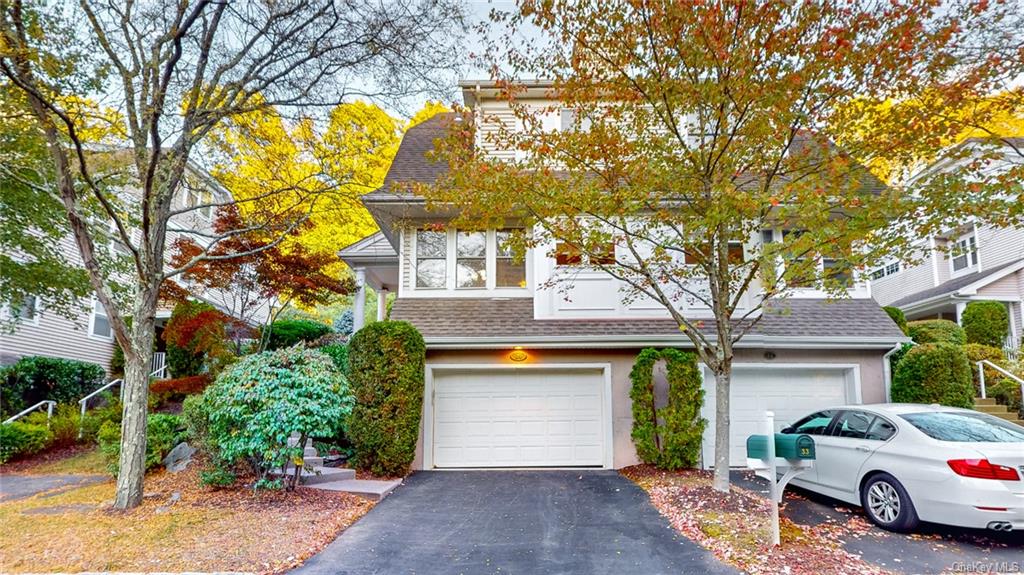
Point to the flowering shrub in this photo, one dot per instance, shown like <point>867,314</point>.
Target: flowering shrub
<point>255,405</point>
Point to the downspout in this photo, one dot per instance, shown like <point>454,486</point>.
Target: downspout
<point>887,369</point>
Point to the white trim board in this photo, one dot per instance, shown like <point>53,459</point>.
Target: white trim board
<point>428,399</point>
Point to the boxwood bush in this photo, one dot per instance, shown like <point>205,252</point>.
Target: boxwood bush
<point>386,371</point>
<point>934,373</point>
<point>255,405</point>
<point>33,379</point>
<point>897,316</point>
<point>288,332</point>
<point>18,439</point>
<point>986,323</point>
<point>936,331</point>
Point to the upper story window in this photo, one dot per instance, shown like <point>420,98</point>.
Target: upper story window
<point>431,259</point>
<point>964,254</point>
<point>99,325</point>
<point>471,260</point>
<point>28,313</point>
<point>735,252</point>
<point>569,255</point>
<point>200,197</point>
<point>507,273</point>
<point>886,270</point>
<point>569,121</point>
<point>456,259</point>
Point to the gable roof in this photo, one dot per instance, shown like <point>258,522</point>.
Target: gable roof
<point>466,322</point>
<point>956,284</point>
<point>371,249</point>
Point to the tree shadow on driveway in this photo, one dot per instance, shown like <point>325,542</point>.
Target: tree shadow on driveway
<point>930,549</point>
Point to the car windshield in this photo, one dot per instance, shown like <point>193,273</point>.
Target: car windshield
<point>964,426</point>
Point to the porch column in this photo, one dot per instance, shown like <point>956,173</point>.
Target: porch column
<point>382,303</point>
<point>359,300</point>
<point>960,306</point>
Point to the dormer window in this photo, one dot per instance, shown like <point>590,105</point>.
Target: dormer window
<point>964,254</point>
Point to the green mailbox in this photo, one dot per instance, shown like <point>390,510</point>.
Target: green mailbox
<point>787,446</point>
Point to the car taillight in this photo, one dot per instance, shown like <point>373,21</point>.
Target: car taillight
<point>982,469</point>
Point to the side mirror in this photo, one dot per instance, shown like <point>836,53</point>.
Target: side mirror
<point>787,430</point>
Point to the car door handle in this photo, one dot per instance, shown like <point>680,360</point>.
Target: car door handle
<point>864,448</point>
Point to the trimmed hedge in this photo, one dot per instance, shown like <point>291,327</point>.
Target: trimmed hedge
<point>936,331</point>
<point>18,439</point>
<point>669,437</point>
<point>288,332</point>
<point>339,355</point>
<point>934,373</point>
<point>986,323</point>
<point>977,352</point>
<point>35,378</point>
<point>897,316</point>
<point>386,372</point>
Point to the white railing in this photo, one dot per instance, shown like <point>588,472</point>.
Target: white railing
<point>981,375</point>
<point>49,403</point>
<point>84,401</point>
<point>1011,348</point>
<point>158,366</point>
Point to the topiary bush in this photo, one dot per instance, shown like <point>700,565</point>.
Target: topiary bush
<point>986,323</point>
<point>288,332</point>
<point>936,331</point>
<point>386,371</point>
<point>256,404</point>
<point>33,379</point>
<point>897,316</point>
<point>163,432</point>
<point>669,437</point>
<point>934,373</point>
<point>977,352</point>
<point>18,439</point>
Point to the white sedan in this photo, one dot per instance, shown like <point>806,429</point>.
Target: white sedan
<point>905,463</point>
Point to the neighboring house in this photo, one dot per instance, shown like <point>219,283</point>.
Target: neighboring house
<point>520,374</point>
<point>964,264</point>
<point>89,336</point>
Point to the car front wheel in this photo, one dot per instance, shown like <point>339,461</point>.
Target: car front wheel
<point>887,503</point>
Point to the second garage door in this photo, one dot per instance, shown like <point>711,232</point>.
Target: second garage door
<point>519,418</point>
<point>790,392</point>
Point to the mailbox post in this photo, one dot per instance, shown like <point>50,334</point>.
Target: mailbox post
<point>763,454</point>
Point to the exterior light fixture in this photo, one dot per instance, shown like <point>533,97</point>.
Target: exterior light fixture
<point>518,355</point>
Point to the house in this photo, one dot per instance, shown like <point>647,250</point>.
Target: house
<point>963,264</point>
<point>519,374</point>
<point>89,337</point>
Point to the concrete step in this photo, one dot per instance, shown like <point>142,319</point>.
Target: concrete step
<point>1008,417</point>
<point>313,461</point>
<point>322,474</point>
<point>375,489</point>
<point>986,401</point>
<point>993,409</point>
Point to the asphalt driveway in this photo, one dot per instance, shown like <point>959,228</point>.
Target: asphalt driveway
<point>930,549</point>
<point>512,522</point>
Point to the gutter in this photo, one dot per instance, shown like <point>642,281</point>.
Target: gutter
<point>887,370</point>
<point>619,341</point>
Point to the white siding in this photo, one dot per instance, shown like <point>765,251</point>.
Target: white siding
<point>907,281</point>
<point>997,246</point>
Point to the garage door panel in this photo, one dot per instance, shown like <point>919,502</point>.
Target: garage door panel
<point>790,392</point>
<point>528,418</point>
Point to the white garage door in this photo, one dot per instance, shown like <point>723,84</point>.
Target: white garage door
<point>519,418</point>
<point>790,392</point>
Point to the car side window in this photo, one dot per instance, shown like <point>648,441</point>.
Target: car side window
<point>814,424</point>
<point>881,430</point>
<point>853,424</point>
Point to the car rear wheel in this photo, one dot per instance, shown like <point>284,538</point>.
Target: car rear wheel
<point>887,503</point>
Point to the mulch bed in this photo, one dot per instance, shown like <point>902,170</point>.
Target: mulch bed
<point>180,526</point>
<point>736,527</point>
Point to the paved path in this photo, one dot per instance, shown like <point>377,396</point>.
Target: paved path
<point>21,486</point>
<point>930,549</point>
<point>510,523</point>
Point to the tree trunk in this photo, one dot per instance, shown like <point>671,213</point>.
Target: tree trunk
<point>136,401</point>
<point>722,379</point>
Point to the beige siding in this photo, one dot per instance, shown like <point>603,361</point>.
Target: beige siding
<point>1003,289</point>
<point>55,336</point>
<point>408,258</point>
<point>997,246</point>
<point>909,280</point>
<point>621,360</point>
<point>492,116</point>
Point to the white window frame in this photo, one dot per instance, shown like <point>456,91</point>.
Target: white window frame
<point>37,309</point>
<point>194,197</point>
<point>451,258</point>
<point>972,256</point>
<point>886,270</point>
<point>92,322</point>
